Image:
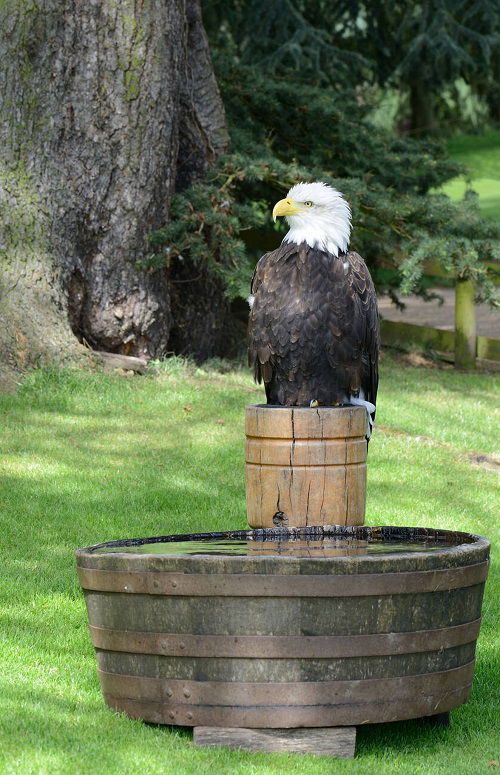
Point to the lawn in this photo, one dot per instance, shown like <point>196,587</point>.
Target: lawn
<point>89,457</point>
<point>481,155</point>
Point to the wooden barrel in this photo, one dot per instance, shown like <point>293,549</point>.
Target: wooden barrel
<point>286,641</point>
<point>305,466</point>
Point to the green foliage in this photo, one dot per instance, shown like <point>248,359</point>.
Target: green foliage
<point>448,49</point>
<point>459,240</point>
<point>288,125</point>
<point>437,40</point>
<point>206,223</point>
<point>354,43</point>
<point>323,127</point>
<point>281,39</point>
<point>452,39</point>
<point>392,230</point>
<point>481,157</point>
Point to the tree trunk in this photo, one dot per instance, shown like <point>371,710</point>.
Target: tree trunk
<point>203,135</point>
<point>493,102</point>
<point>202,316</point>
<point>96,101</point>
<point>423,118</point>
<point>201,313</point>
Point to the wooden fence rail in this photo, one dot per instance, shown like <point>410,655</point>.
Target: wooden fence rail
<point>437,339</point>
<point>463,344</point>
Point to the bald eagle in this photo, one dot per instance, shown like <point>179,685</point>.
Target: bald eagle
<point>314,327</point>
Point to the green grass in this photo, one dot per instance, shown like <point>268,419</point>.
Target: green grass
<point>87,457</point>
<point>481,155</point>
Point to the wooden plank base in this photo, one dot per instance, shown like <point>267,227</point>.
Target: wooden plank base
<point>320,741</point>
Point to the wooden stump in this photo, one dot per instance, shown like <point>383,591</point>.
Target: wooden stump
<point>305,466</point>
<point>321,741</point>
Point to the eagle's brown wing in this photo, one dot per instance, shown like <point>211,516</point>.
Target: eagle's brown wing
<point>313,328</point>
<point>264,320</point>
<point>359,324</point>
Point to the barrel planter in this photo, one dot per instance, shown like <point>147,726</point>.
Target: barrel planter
<point>305,466</point>
<point>292,636</point>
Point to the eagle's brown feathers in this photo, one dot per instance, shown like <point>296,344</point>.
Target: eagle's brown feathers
<point>313,328</point>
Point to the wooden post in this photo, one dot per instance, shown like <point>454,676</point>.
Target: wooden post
<point>305,466</point>
<point>465,325</point>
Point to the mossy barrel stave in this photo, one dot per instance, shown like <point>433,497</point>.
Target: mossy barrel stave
<point>304,642</point>
<point>305,466</point>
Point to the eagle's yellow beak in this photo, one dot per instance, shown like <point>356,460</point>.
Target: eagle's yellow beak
<point>285,207</point>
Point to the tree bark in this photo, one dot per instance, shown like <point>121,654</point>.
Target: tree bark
<point>203,135</point>
<point>96,117</point>
<point>201,313</point>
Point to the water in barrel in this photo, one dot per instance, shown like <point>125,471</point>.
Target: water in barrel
<point>300,543</point>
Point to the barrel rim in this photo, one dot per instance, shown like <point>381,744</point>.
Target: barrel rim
<point>454,543</point>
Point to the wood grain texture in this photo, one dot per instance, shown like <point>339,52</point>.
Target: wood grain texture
<point>322,741</point>
<point>458,550</point>
<point>299,422</point>
<point>305,466</point>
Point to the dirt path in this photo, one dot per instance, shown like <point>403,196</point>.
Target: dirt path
<point>431,313</point>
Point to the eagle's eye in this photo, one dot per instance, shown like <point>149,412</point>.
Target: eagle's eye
<point>308,204</point>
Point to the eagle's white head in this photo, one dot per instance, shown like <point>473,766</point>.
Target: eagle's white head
<point>318,215</point>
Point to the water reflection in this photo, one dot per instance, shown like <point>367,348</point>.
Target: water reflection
<point>295,547</point>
